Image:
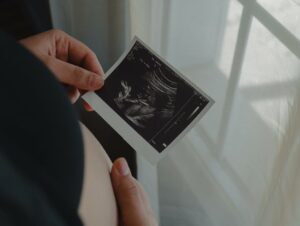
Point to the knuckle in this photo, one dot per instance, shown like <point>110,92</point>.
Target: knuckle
<point>57,34</point>
<point>130,187</point>
<point>89,81</point>
<point>77,75</point>
<point>81,78</point>
<point>56,31</point>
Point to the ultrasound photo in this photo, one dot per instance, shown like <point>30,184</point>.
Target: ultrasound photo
<point>151,97</point>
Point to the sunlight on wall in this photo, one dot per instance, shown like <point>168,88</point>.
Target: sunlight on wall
<point>226,167</point>
<point>266,90</point>
<point>270,77</point>
<point>227,47</point>
<point>286,12</point>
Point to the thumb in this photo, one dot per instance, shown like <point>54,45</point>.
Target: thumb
<point>128,195</point>
<point>74,75</point>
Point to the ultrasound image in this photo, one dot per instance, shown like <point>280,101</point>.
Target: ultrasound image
<point>151,97</point>
<point>156,97</point>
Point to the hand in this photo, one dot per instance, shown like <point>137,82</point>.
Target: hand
<point>72,62</point>
<point>134,207</point>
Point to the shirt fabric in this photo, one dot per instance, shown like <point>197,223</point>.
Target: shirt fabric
<point>41,149</point>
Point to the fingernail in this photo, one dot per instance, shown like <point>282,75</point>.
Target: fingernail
<point>123,167</point>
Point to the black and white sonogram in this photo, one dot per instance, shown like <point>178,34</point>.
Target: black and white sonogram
<point>151,97</point>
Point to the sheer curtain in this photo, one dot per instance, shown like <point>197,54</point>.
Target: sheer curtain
<point>241,164</point>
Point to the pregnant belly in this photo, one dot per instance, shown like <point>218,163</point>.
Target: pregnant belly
<point>98,204</point>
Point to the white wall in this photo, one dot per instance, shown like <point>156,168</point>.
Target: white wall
<point>102,25</point>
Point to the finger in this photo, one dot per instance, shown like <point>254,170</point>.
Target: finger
<point>145,199</point>
<point>74,75</point>
<point>148,208</point>
<point>87,106</point>
<point>71,50</point>
<point>128,195</point>
<point>73,93</point>
<point>74,97</point>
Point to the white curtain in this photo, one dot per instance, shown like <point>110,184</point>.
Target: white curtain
<point>241,164</point>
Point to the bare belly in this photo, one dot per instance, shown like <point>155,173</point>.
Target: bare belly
<point>98,204</point>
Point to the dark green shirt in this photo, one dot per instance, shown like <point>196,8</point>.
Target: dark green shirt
<point>41,150</point>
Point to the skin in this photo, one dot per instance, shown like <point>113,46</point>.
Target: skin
<point>72,62</point>
<point>98,202</point>
<point>77,67</point>
<point>133,203</point>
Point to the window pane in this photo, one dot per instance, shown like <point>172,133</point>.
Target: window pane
<point>192,32</point>
<point>267,94</point>
<point>231,29</point>
<point>287,12</point>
